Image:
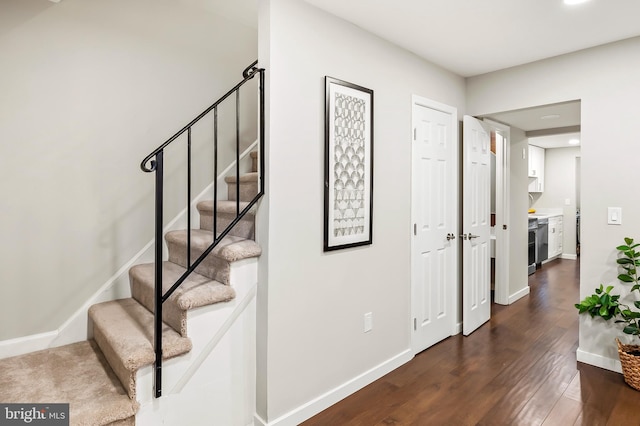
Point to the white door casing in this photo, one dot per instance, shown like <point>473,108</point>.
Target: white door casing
<point>476,224</point>
<point>503,227</point>
<point>434,263</point>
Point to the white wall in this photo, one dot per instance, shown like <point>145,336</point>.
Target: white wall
<point>560,184</point>
<point>311,315</point>
<point>88,89</point>
<point>519,204</point>
<point>606,80</point>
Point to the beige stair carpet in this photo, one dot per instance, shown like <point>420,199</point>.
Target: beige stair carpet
<point>195,291</point>
<point>226,213</point>
<point>217,266</point>
<point>124,331</point>
<point>77,374</point>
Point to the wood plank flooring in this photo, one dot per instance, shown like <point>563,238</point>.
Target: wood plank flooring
<point>518,369</point>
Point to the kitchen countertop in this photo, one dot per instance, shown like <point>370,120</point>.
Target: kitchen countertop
<point>546,214</point>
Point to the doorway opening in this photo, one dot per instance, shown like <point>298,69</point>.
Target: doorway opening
<point>544,187</point>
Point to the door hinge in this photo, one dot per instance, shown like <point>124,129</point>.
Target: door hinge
<point>415,229</point>
<point>415,323</point>
<point>415,133</point>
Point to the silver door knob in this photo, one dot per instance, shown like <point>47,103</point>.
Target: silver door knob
<point>471,236</point>
<point>463,236</point>
<point>450,237</point>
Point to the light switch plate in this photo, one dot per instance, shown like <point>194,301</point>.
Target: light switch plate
<point>614,215</point>
<point>368,321</point>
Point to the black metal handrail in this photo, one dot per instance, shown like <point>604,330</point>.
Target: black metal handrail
<point>154,162</point>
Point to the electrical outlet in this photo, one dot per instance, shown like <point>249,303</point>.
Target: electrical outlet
<point>368,322</point>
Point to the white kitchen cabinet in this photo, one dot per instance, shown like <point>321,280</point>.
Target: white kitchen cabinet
<point>555,236</point>
<point>536,169</point>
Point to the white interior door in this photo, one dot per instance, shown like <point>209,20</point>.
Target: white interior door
<point>434,212</point>
<point>476,225</point>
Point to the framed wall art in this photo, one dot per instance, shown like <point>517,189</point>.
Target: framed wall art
<point>348,173</point>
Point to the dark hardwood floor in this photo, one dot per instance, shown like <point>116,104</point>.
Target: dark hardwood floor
<point>518,369</point>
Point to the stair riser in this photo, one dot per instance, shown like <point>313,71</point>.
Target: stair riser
<point>127,378</point>
<point>245,228</point>
<point>212,267</point>
<point>248,190</point>
<point>172,315</point>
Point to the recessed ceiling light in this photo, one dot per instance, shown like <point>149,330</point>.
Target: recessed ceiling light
<point>575,1</point>
<point>574,142</point>
<point>550,117</point>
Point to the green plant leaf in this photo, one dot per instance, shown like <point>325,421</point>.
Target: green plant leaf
<point>623,248</point>
<point>628,240</point>
<point>609,288</point>
<point>625,278</point>
<point>631,329</point>
<point>624,261</point>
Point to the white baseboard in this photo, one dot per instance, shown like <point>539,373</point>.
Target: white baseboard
<point>26,344</point>
<point>519,295</point>
<point>331,397</point>
<point>596,360</point>
<point>569,256</point>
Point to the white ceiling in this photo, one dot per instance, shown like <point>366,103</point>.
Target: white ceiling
<point>476,37</point>
<point>555,141</point>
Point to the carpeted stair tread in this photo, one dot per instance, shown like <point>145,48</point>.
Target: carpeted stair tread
<point>123,329</point>
<point>77,374</point>
<point>194,292</point>
<point>231,248</point>
<point>217,265</point>
<point>246,177</point>
<point>226,213</point>
<point>224,207</point>
<point>247,189</point>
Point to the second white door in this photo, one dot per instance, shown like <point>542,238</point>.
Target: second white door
<point>476,225</point>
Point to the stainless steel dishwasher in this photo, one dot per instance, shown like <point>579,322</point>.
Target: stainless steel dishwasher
<point>542,241</point>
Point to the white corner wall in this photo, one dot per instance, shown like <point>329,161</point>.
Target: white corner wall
<point>606,80</point>
<point>311,344</point>
<point>519,204</point>
<point>88,89</point>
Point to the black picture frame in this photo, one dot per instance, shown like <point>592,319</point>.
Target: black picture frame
<point>348,165</point>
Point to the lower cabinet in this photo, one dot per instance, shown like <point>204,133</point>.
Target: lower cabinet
<point>555,236</point>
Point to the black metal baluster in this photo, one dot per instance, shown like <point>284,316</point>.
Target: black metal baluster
<point>215,173</point>
<point>261,151</point>
<point>159,168</point>
<point>237,152</point>
<point>189,198</point>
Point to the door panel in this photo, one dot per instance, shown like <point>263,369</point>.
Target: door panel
<point>433,258</point>
<point>476,260</point>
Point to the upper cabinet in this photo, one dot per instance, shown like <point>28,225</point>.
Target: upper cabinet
<point>536,169</point>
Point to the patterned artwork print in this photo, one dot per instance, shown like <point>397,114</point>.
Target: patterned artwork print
<point>349,166</point>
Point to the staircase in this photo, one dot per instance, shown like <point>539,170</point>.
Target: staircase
<point>206,283</point>
<point>98,377</point>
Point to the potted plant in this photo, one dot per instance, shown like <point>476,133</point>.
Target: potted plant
<point>607,306</point>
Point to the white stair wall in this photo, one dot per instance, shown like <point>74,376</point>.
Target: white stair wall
<point>214,384</point>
